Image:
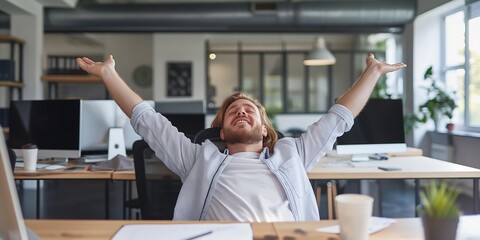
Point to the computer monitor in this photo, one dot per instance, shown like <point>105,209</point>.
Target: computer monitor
<point>189,124</point>
<point>122,121</point>
<point>377,129</point>
<point>53,125</point>
<point>187,116</point>
<point>98,117</point>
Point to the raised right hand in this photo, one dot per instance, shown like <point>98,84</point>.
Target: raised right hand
<point>97,68</point>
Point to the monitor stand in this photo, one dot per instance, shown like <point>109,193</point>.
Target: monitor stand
<point>116,146</point>
<point>116,143</point>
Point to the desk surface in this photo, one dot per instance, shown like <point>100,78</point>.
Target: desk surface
<point>413,167</point>
<point>404,228</point>
<point>21,174</point>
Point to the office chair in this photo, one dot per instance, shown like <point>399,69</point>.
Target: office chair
<point>157,186</point>
<point>13,158</point>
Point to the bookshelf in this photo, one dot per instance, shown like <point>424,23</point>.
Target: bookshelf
<point>11,76</point>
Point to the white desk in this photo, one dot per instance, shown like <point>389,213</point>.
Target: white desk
<point>413,167</point>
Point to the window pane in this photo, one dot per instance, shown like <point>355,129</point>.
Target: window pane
<point>455,39</point>
<point>273,83</point>
<point>251,75</point>
<point>474,88</point>
<point>223,77</point>
<point>455,81</point>
<point>295,83</point>
<point>318,89</point>
<point>342,76</point>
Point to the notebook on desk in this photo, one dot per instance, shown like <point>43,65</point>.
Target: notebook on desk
<point>12,225</point>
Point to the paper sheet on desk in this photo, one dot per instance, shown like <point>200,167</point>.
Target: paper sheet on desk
<point>376,224</point>
<point>235,231</point>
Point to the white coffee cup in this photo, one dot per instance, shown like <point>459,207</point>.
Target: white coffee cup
<point>354,213</point>
<point>30,153</point>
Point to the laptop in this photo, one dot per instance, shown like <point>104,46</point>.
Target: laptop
<point>12,225</point>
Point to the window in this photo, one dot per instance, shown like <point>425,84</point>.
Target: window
<point>461,65</point>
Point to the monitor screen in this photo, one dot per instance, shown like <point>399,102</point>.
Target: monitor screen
<point>187,116</point>
<point>189,124</point>
<point>377,129</point>
<point>53,125</point>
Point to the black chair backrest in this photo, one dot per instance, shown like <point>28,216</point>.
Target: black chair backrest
<point>157,186</point>
<point>13,158</point>
<point>213,134</point>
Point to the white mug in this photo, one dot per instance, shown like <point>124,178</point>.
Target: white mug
<point>354,213</point>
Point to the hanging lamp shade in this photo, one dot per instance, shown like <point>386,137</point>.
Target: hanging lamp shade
<point>320,55</point>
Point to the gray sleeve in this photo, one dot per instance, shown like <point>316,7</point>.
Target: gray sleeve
<point>172,147</point>
<point>321,135</point>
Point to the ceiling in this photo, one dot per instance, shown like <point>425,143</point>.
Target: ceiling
<point>229,16</point>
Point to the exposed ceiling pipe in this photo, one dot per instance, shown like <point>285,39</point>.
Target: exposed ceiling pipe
<point>298,16</point>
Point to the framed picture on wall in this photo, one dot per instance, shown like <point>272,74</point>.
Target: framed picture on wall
<point>179,79</point>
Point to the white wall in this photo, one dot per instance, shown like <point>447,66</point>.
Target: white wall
<point>426,52</point>
<point>179,48</point>
<point>128,50</point>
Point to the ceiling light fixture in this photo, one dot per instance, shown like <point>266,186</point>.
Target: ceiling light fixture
<point>320,55</point>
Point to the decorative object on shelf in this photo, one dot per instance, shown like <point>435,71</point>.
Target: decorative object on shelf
<point>439,104</point>
<point>142,76</point>
<point>179,79</point>
<point>67,65</point>
<point>439,211</point>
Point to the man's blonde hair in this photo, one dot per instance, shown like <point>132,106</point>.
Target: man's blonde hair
<point>272,136</point>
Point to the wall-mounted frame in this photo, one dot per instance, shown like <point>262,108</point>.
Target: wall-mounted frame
<point>179,79</point>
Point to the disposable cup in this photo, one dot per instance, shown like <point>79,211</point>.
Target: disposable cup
<point>30,153</point>
<point>354,213</point>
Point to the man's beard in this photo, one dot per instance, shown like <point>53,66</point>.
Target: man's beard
<point>245,137</point>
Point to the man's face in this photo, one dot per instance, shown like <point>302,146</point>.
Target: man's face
<point>242,123</point>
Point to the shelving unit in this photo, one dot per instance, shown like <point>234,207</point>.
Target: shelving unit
<point>54,80</point>
<point>16,83</point>
<point>15,74</point>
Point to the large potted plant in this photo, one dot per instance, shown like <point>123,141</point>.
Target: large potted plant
<point>439,104</point>
<point>439,211</point>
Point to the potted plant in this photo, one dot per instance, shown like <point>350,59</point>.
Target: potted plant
<point>439,104</point>
<point>439,211</point>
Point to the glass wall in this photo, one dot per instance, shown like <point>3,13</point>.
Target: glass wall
<point>278,78</point>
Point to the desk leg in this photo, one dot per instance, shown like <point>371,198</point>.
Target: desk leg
<point>475,196</point>
<point>107,199</point>
<point>380,212</point>
<point>417,196</point>
<point>124,199</point>
<point>38,199</point>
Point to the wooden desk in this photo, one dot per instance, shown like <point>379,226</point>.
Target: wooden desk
<point>413,167</point>
<point>404,228</point>
<point>42,174</point>
<point>105,229</point>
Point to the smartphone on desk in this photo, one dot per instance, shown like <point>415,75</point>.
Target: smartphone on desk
<point>389,168</point>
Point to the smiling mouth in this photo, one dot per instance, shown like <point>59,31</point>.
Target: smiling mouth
<point>241,122</point>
